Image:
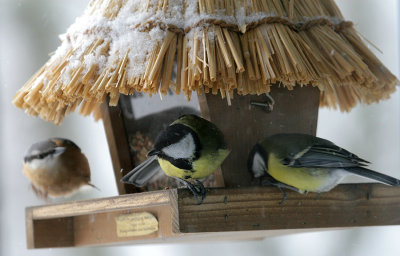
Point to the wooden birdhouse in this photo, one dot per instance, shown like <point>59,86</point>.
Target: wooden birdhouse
<point>228,61</point>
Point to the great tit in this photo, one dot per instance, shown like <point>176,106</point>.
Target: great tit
<point>189,149</point>
<point>305,163</point>
<point>56,167</point>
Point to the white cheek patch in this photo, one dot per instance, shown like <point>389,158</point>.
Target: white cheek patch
<point>35,152</point>
<point>258,166</point>
<point>184,148</point>
<point>48,162</point>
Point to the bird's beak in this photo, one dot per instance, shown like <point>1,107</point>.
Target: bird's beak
<point>153,152</point>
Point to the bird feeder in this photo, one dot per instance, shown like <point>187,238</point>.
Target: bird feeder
<point>222,56</point>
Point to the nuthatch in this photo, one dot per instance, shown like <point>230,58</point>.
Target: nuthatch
<point>56,167</point>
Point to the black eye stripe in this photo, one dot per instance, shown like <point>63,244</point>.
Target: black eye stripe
<point>38,156</point>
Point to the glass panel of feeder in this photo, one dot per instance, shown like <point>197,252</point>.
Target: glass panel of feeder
<point>145,117</point>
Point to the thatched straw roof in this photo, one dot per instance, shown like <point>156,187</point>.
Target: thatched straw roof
<point>222,47</point>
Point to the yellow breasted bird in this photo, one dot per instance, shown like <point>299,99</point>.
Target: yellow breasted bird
<point>305,163</point>
<point>56,167</point>
<point>189,149</point>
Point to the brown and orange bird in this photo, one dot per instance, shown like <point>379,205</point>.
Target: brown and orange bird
<point>56,167</point>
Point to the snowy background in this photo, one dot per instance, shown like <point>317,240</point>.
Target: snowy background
<point>29,32</point>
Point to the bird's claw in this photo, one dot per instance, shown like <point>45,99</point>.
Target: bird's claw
<point>198,190</point>
<point>202,189</point>
<point>284,196</point>
<point>268,182</point>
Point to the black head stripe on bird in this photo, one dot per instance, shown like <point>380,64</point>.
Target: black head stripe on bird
<point>39,150</point>
<point>309,163</point>
<point>43,149</point>
<point>190,148</point>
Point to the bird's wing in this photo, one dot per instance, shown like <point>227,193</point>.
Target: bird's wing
<point>324,155</point>
<point>142,173</point>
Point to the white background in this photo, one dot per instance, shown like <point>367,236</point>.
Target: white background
<point>29,31</point>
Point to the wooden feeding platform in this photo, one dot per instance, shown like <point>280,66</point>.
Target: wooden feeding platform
<point>226,214</point>
<point>239,211</point>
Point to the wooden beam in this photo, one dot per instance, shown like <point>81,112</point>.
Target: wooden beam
<point>124,202</point>
<point>118,145</point>
<point>259,208</point>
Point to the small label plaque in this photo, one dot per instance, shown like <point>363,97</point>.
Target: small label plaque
<point>136,224</point>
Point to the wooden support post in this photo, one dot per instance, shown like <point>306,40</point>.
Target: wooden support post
<point>118,145</point>
<point>244,125</point>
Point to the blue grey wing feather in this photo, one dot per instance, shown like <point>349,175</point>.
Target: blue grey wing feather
<point>326,156</point>
<point>142,173</point>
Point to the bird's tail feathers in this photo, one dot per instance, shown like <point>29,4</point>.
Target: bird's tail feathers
<point>93,186</point>
<point>361,171</point>
<point>142,173</point>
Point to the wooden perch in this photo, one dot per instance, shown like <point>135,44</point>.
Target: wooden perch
<point>256,208</point>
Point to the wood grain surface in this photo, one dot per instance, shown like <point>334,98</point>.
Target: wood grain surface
<point>118,145</point>
<point>244,125</point>
<point>259,208</point>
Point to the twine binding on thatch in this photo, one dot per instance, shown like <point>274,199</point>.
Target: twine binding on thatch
<point>322,21</point>
<point>216,46</point>
<point>300,26</point>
